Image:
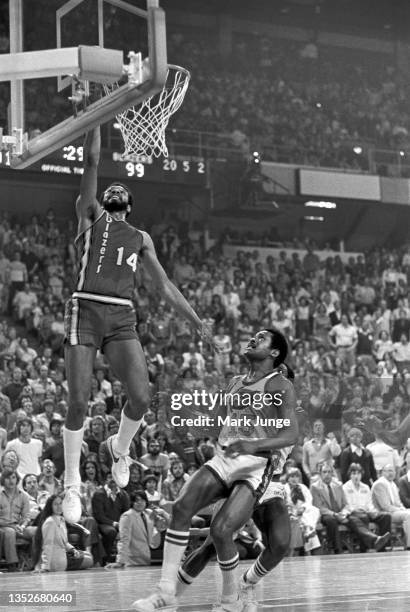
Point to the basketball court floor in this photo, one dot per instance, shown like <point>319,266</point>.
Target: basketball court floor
<point>360,582</point>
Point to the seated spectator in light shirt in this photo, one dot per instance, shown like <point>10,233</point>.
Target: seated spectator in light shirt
<point>28,449</point>
<point>14,516</point>
<point>328,496</point>
<point>139,532</point>
<point>304,516</point>
<point>154,497</point>
<point>53,551</point>
<point>359,500</point>
<point>319,449</point>
<point>386,498</point>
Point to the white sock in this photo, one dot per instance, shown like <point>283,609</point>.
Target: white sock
<point>229,569</point>
<point>174,548</point>
<point>255,573</point>
<point>72,452</point>
<point>127,430</point>
<point>184,581</point>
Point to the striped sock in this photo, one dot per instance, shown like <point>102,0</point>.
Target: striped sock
<point>255,573</point>
<point>174,548</point>
<point>184,580</point>
<point>229,578</point>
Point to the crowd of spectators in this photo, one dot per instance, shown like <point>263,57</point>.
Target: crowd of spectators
<point>348,326</point>
<point>294,102</point>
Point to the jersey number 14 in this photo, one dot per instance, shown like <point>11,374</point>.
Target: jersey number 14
<point>131,260</point>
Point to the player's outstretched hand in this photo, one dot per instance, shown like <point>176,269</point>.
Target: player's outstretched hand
<point>205,331</point>
<point>240,447</point>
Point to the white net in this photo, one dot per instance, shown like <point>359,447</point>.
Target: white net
<point>143,126</point>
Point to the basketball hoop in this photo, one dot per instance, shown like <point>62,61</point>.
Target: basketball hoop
<point>143,126</point>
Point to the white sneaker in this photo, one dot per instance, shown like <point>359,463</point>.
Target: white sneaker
<point>120,465</point>
<point>234,606</point>
<point>160,600</point>
<point>72,504</point>
<point>247,591</point>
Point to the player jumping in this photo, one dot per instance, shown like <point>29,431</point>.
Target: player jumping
<point>100,315</point>
<point>249,454</point>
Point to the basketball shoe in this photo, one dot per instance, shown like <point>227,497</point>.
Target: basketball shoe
<point>233,606</point>
<point>160,600</point>
<point>72,504</point>
<point>247,591</point>
<point>120,465</point>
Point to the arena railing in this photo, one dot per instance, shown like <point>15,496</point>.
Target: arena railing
<point>363,155</point>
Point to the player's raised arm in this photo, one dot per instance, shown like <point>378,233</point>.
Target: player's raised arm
<point>87,205</point>
<point>169,291</point>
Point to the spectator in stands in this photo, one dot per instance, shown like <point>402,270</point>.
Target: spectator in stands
<point>91,480</point>
<point>48,415</point>
<point>24,303</point>
<point>154,497</point>
<point>356,453</point>
<point>319,448</point>
<point>328,496</point>
<point>401,353</point>
<point>97,432</point>
<point>117,399</point>
<point>47,480</point>
<point>139,532</point>
<point>14,516</point>
<point>383,454</point>
<point>37,498</point>
<point>172,485</point>
<point>359,500</point>
<point>17,276</point>
<point>14,388</point>
<point>386,498</point>
<point>43,384</point>
<point>108,504</point>
<point>53,551</point>
<point>304,516</point>
<point>28,449</point>
<point>157,462</point>
<point>344,338</point>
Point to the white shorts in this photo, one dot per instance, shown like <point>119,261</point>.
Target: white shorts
<point>274,489</point>
<point>255,472</point>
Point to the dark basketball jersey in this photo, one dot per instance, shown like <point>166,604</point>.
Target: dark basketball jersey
<point>108,254</point>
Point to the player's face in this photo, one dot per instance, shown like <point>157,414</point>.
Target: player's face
<point>115,199</point>
<point>259,347</point>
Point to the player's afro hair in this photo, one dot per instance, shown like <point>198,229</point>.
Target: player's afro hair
<point>278,342</point>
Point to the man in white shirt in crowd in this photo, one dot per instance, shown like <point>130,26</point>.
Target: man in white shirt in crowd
<point>359,500</point>
<point>28,449</point>
<point>383,454</point>
<point>344,337</point>
<point>401,352</point>
<point>386,498</point>
<point>320,449</point>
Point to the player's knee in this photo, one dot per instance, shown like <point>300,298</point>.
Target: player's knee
<point>278,542</point>
<point>222,528</point>
<point>139,402</point>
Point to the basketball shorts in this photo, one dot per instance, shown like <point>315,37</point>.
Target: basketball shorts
<point>95,324</point>
<point>255,472</point>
